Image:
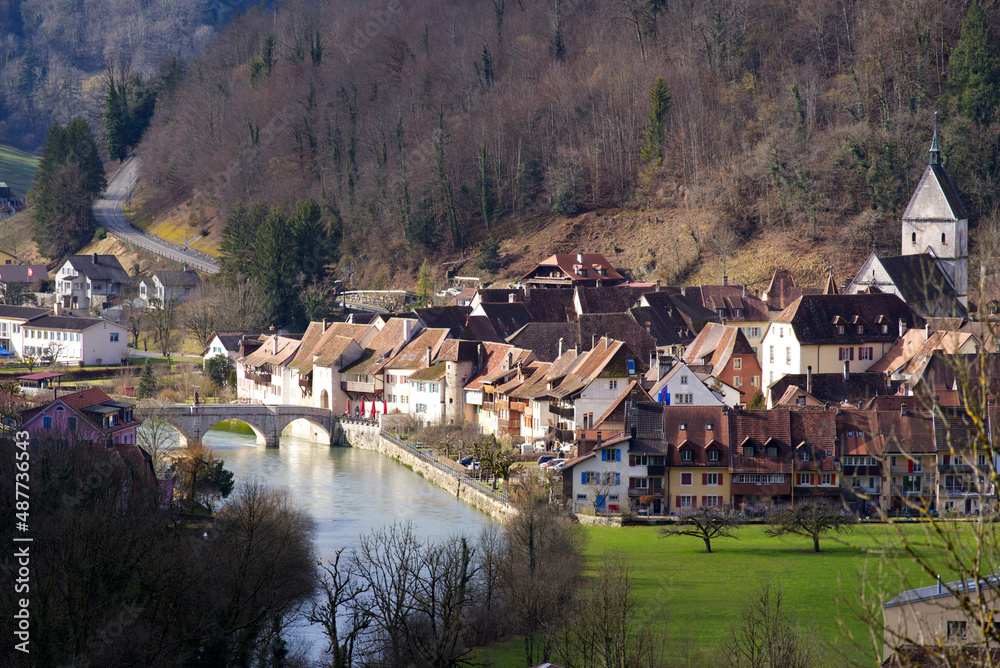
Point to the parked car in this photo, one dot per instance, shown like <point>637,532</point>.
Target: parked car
<point>466,461</point>
<point>557,465</point>
<point>545,459</point>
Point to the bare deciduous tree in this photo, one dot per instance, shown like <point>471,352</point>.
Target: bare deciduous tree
<point>704,523</point>
<point>811,520</point>
<point>765,636</point>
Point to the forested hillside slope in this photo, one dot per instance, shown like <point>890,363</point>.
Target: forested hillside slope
<point>424,125</point>
<point>50,52</point>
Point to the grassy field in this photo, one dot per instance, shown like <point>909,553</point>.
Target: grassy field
<point>695,596</point>
<point>17,169</point>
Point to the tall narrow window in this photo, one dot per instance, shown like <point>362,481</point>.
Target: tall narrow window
<point>913,237</point>
<point>943,238</point>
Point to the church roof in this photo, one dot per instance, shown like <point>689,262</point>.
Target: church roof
<point>923,285</point>
<point>935,197</point>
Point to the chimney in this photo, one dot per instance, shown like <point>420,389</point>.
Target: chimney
<point>510,360</point>
<point>577,348</point>
<point>725,280</point>
<point>593,341</point>
<point>271,328</point>
<point>274,349</point>
<point>902,327</point>
<point>654,362</point>
<point>428,355</point>
<point>510,298</point>
<point>560,346</point>
<point>847,371</point>
<point>324,324</point>
<point>607,341</point>
<point>527,293</point>
<point>902,410</point>
<point>406,329</point>
<point>579,258</point>
<point>809,379</point>
<point>57,308</point>
<point>683,291</point>
<point>634,430</point>
<point>93,258</point>
<point>939,590</point>
<point>927,331</point>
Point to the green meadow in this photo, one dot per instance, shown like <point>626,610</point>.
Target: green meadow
<point>695,597</point>
<point>17,169</point>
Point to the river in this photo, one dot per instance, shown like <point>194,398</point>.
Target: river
<point>348,493</point>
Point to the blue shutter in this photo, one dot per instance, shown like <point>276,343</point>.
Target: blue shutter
<point>604,455</point>
<point>583,477</point>
<point>618,455</point>
<point>618,478</point>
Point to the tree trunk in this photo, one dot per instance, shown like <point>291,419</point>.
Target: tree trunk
<point>708,544</point>
<point>816,543</point>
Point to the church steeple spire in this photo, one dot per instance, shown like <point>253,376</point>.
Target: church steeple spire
<point>935,152</point>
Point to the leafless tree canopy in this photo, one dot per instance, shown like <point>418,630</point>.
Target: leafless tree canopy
<point>704,523</point>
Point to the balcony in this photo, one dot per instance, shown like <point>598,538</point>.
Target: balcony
<point>564,435</point>
<point>510,425</point>
<point>655,470</point>
<point>357,386</point>
<point>518,405</point>
<point>306,383</point>
<point>488,406</point>
<point>655,492</point>
<point>956,468</point>
<point>561,411</point>
<point>259,378</point>
<point>501,405</point>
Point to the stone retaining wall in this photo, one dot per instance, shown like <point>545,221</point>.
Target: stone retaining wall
<point>369,437</point>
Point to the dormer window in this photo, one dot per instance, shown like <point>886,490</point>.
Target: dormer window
<point>748,451</point>
<point>737,313</point>
<point>683,427</point>
<point>861,329</point>
<point>687,455</point>
<point>772,451</point>
<point>840,329</point>
<point>708,427</point>
<point>714,455</point>
<point>804,455</point>
<point>721,313</point>
<point>885,329</point>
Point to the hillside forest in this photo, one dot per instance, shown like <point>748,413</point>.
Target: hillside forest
<point>53,53</point>
<point>424,127</point>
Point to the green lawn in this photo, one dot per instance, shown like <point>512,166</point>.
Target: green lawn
<point>695,596</point>
<point>17,169</point>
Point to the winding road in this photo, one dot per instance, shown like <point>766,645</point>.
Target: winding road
<point>108,212</point>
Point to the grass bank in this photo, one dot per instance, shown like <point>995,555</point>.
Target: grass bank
<point>694,597</point>
<point>17,169</point>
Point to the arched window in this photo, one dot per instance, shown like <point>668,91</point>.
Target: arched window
<point>943,238</point>
<point>324,400</point>
<point>913,237</point>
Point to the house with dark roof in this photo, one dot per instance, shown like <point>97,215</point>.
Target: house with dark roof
<point>53,335</point>
<point>226,343</point>
<point>831,333</point>
<point>87,281</point>
<point>816,474</point>
<point>168,287</point>
<point>761,458</point>
<point>561,270</point>
<point>734,304</point>
<point>29,275</point>
<point>671,318</point>
<point>931,274</point>
<point>549,339</point>
<point>324,350</point>
<point>797,389</point>
<point>781,291</point>
<point>697,474</point>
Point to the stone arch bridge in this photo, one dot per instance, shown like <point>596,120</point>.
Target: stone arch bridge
<point>267,421</point>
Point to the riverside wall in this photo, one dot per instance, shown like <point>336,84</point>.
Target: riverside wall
<point>368,436</point>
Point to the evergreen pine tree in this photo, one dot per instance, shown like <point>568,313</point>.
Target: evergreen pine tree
<point>236,250</point>
<point>69,178</point>
<point>425,286</point>
<point>115,121</point>
<point>974,69</point>
<point>147,382</point>
<point>489,257</point>
<point>659,109</point>
<point>271,264</point>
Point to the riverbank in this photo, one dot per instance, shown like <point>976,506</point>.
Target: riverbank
<point>368,436</point>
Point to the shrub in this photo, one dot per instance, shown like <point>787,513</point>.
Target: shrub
<point>101,233</point>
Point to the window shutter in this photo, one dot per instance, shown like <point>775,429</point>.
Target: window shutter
<point>812,478</point>
<point>583,477</point>
<point>618,455</point>
<point>704,478</point>
<point>604,455</point>
<point>910,462</point>
<point>704,500</point>
<point>618,479</point>
<point>631,483</point>
<point>631,460</point>
<point>852,353</point>
<point>720,477</point>
<point>678,502</point>
<point>833,478</point>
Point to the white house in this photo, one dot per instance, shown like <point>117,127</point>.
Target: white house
<point>829,332</point>
<point>85,281</point>
<point>264,376</point>
<point>169,287</point>
<point>679,385</point>
<point>225,343</point>
<point>44,334</point>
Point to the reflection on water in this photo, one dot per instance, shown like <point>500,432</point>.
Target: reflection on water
<point>347,492</point>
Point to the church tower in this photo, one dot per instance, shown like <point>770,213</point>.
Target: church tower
<point>935,222</point>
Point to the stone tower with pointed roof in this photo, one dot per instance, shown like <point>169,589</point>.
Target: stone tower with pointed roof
<point>935,223</point>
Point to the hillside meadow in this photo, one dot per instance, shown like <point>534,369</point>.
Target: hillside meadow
<point>694,597</point>
<point>17,169</point>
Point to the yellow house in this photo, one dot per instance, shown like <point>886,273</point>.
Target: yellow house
<point>7,258</point>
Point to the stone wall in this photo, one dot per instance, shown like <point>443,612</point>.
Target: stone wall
<point>369,437</point>
<point>599,521</point>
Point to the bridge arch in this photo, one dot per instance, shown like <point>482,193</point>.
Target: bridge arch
<point>283,422</point>
<point>266,421</point>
